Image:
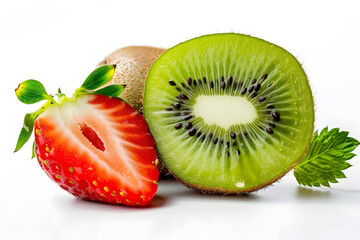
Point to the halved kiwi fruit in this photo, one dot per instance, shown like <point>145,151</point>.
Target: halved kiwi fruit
<point>229,113</point>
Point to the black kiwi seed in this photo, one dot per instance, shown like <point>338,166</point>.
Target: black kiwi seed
<point>251,89</point>
<point>267,112</point>
<point>195,83</point>
<point>203,138</point>
<point>232,135</point>
<point>211,84</point>
<point>269,130</point>
<point>178,126</point>
<point>254,81</point>
<point>243,91</point>
<point>189,81</point>
<point>211,135</point>
<point>272,125</point>
<point>199,82</point>
<point>253,95</point>
<point>183,96</point>
<point>169,109</point>
<point>188,117</point>
<point>215,140</point>
<point>192,132</point>
<point>222,79</point>
<point>204,80</point>
<point>270,106</point>
<point>177,105</point>
<point>172,83</point>
<point>276,116</point>
<point>222,85</point>
<point>241,84</point>
<point>183,85</point>
<point>264,76</point>
<point>228,154</point>
<point>178,89</point>
<point>186,113</point>
<point>229,80</point>
<point>246,134</point>
<point>221,142</point>
<point>228,144</point>
<point>199,134</point>
<point>238,152</point>
<point>261,127</point>
<point>257,86</point>
<point>188,125</point>
<point>261,99</point>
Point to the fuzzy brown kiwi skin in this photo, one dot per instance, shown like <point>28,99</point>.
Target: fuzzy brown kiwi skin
<point>223,191</point>
<point>132,66</point>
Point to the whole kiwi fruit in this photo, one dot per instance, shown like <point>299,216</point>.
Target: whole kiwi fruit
<point>229,113</point>
<point>132,66</point>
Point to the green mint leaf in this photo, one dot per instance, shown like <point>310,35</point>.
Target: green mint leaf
<point>31,91</point>
<point>326,158</point>
<point>111,91</point>
<point>26,131</point>
<point>99,77</point>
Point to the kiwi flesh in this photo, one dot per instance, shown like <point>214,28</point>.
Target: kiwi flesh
<point>229,113</point>
<point>132,66</point>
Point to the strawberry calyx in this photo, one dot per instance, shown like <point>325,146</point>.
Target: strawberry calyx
<point>32,91</point>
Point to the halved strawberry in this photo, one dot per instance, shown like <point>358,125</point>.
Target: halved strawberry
<point>96,147</point>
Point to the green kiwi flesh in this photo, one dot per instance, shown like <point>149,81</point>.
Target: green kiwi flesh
<point>229,113</point>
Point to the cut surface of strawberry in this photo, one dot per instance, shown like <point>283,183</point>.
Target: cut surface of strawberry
<point>98,148</point>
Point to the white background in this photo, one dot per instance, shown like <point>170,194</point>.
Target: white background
<point>59,43</point>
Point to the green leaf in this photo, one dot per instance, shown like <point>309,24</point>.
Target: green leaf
<point>31,91</point>
<point>111,91</point>
<point>326,158</point>
<point>99,77</point>
<point>33,150</point>
<point>28,125</point>
<point>26,131</point>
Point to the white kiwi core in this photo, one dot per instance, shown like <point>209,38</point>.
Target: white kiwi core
<point>224,111</point>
